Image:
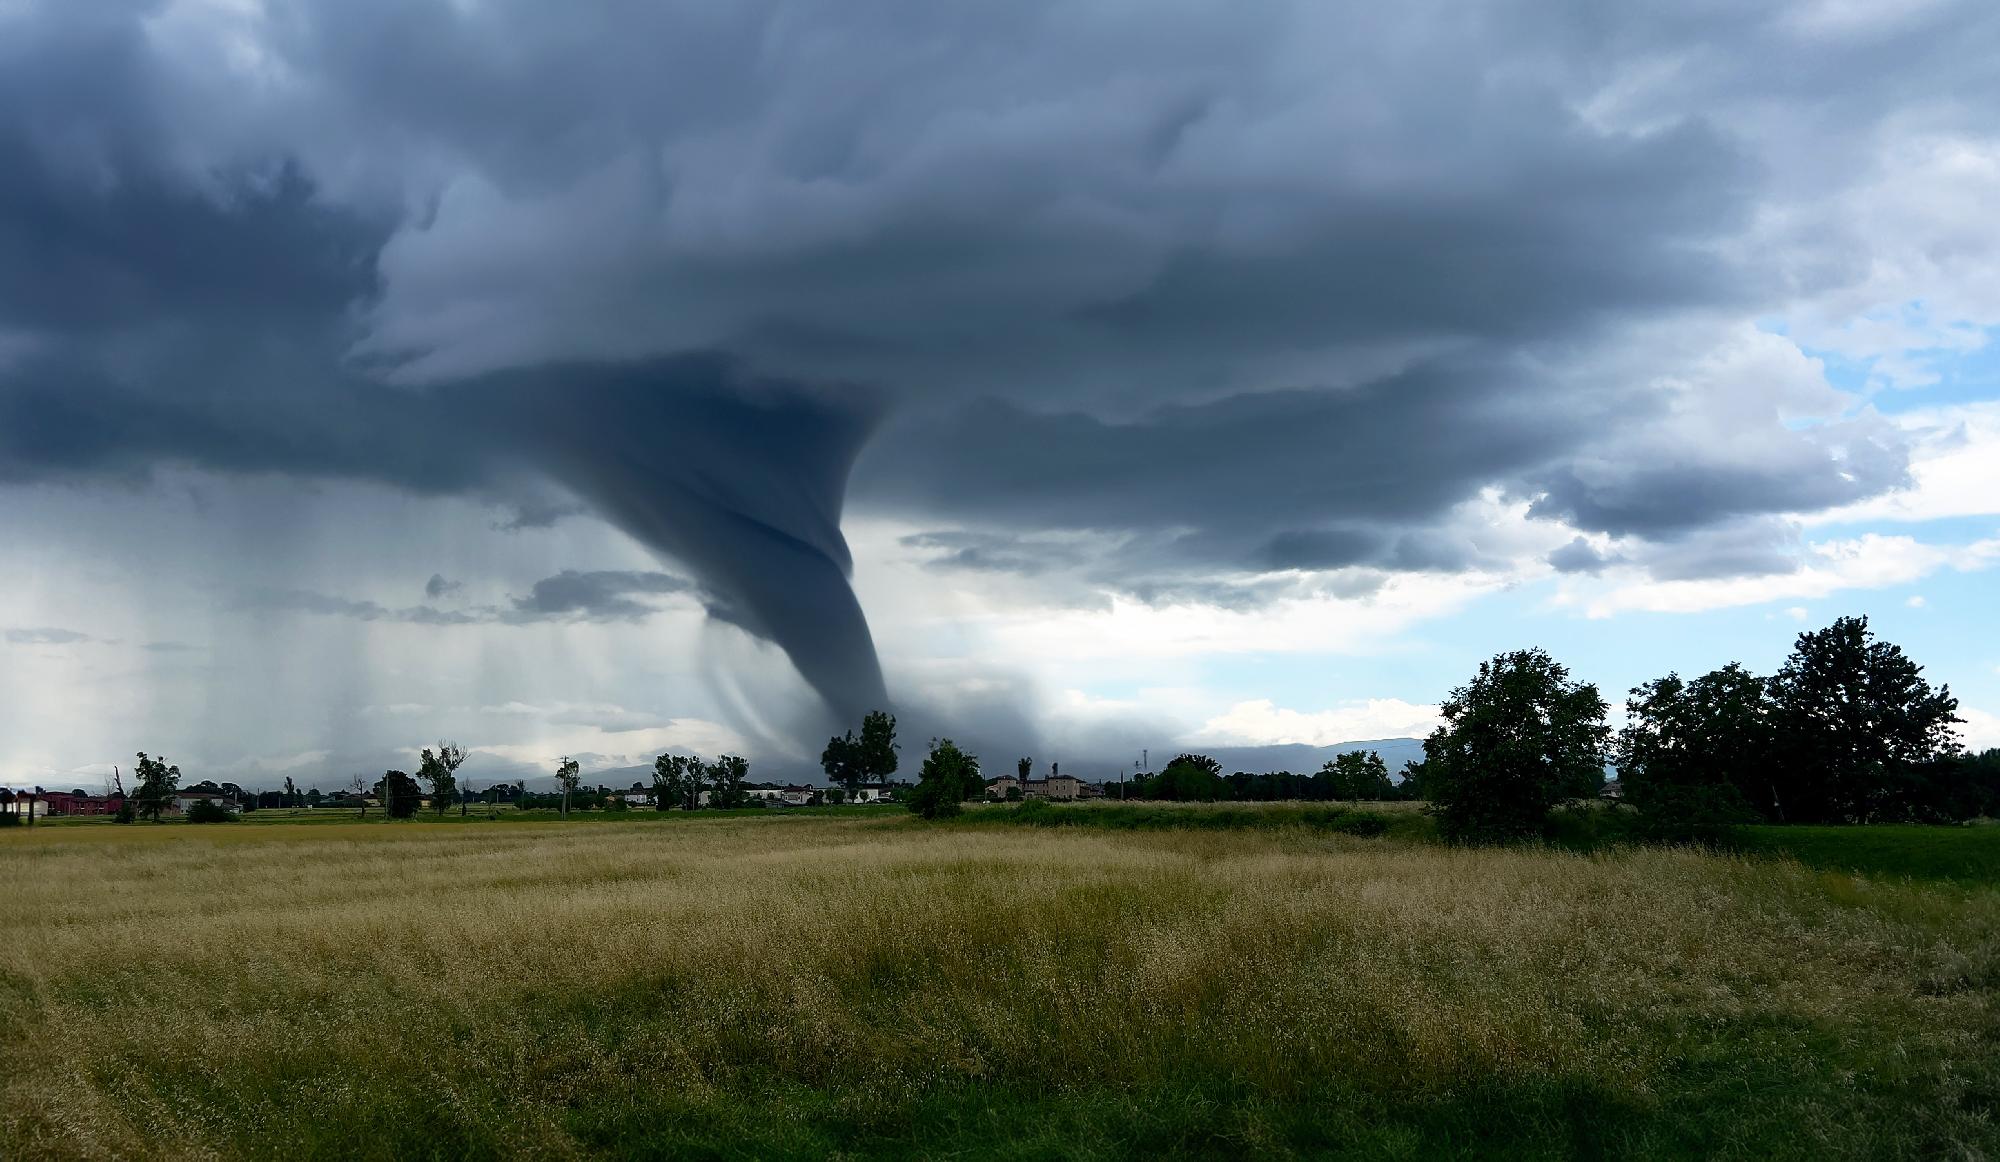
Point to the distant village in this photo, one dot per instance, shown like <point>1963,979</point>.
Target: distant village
<point>27,804</point>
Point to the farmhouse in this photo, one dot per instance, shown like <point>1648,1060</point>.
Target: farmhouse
<point>1058,787</point>
<point>72,803</point>
<point>182,800</point>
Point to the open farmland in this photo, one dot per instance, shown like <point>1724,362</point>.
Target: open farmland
<point>807,986</point>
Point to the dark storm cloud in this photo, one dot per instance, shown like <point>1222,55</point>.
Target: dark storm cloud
<point>45,636</point>
<point>1661,500</point>
<point>1751,548</point>
<point>600,595</point>
<point>1580,556</point>
<point>571,595</point>
<point>538,514</point>
<point>306,601</point>
<point>991,552</point>
<point>438,587</point>
<point>1243,288</point>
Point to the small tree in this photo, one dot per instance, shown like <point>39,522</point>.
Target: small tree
<point>949,776</point>
<point>357,786</point>
<point>157,782</point>
<point>439,768</point>
<point>1518,739</point>
<point>569,773</point>
<point>209,811</point>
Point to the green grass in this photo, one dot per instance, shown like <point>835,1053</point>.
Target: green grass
<point>1129,981</point>
<point>480,813</point>
<point>1378,819</point>
<point>1965,855</point>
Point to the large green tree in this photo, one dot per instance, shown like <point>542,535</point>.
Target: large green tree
<point>1857,726</point>
<point>157,783</point>
<point>1697,756</point>
<point>871,758</point>
<point>439,769</point>
<point>1357,775</point>
<point>399,793</point>
<point>726,776</point>
<point>1189,778</point>
<point>949,777</point>
<point>1518,739</point>
<point>676,782</point>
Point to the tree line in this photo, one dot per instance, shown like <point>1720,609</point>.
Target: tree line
<point>1847,731</point>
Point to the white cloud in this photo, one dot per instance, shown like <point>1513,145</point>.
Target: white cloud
<point>253,765</point>
<point>1916,601</point>
<point>1954,469</point>
<point>1871,561</point>
<point>1981,730</point>
<point>598,749</point>
<point>1261,722</point>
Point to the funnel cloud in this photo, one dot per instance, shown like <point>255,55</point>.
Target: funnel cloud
<point>1112,351</point>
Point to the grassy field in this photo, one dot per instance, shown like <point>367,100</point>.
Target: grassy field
<point>813,985</point>
<point>1968,855</point>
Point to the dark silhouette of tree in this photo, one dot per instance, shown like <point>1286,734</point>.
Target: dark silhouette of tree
<point>399,793</point>
<point>1518,739</point>
<point>1024,768</point>
<point>726,776</point>
<point>1695,755</point>
<point>871,758</point>
<point>878,746</point>
<point>569,773</point>
<point>841,760</point>
<point>1189,778</point>
<point>673,784</point>
<point>1356,775</point>
<point>209,811</point>
<point>949,777</point>
<point>1414,785</point>
<point>157,783</point>
<point>1857,726</point>
<point>438,768</point>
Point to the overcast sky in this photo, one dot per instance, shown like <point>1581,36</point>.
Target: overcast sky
<point>1074,377</point>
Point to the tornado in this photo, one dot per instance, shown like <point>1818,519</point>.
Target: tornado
<point>740,479</point>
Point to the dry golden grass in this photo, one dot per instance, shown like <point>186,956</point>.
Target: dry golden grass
<point>802,985</point>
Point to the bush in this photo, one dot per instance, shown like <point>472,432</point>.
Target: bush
<point>10,819</point>
<point>209,811</point>
<point>949,777</point>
